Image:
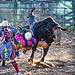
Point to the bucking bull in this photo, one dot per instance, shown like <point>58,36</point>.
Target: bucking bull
<point>44,31</point>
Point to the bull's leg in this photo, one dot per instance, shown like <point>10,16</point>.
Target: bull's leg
<point>45,53</point>
<point>32,55</point>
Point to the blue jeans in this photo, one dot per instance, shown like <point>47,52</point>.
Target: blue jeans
<point>17,53</point>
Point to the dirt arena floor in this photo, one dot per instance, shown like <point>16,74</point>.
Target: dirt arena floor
<point>63,58</point>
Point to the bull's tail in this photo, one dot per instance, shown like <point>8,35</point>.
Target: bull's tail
<point>63,29</point>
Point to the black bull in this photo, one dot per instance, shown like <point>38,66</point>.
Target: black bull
<point>43,30</point>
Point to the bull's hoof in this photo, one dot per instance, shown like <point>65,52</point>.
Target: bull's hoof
<point>42,60</point>
<point>30,61</point>
<point>24,52</point>
<point>40,65</point>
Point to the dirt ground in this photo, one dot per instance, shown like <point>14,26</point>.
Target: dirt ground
<point>63,57</point>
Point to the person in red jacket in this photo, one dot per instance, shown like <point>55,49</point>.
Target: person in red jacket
<point>7,49</point>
